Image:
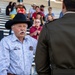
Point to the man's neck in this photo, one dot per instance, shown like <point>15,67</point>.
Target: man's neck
<point>21,39</point>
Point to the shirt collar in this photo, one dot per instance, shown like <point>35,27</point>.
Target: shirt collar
<point>14,38</point>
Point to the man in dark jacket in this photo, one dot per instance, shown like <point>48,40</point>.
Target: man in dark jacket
<point>55,53</point>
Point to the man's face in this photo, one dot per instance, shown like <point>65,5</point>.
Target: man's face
<point>19,30</point>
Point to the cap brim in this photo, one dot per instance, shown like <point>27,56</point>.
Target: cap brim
<point>9,23</point>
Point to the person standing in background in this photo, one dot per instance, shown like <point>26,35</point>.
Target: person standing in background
<point>49,18</point>
<point>8,8</point>
<point>32,10</point>
<point>42,9</point>
<point>36,29</point>
<point>50,12</point>
<point>13,11</point>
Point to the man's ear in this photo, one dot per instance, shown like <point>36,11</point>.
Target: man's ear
<point>63,7</point>
<point>12,27</point>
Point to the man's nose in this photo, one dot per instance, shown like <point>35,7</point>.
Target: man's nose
<point>22,28</point>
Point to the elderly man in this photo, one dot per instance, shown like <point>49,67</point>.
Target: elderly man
<point>17,48</point>
<point>55,53</point>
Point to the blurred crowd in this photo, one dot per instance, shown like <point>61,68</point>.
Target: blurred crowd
<point>36,15</point>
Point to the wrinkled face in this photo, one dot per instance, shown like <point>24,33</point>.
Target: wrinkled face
<point>19,30</point>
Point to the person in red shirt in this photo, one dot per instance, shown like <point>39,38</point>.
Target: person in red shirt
<point>21,9</point>
<point>36,29</point>
<point>37,11</point>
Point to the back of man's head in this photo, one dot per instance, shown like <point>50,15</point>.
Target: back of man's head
<point>70,4</point>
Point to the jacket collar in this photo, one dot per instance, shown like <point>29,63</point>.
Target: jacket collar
<point>69,12</point>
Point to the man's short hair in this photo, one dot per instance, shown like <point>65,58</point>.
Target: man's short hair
<point>70,4</point>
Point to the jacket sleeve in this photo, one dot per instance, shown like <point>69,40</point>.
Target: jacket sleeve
<point>42,59</point>
<point>4,58</point>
